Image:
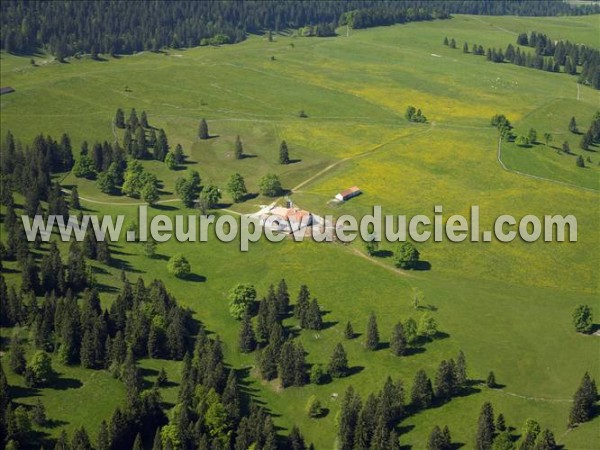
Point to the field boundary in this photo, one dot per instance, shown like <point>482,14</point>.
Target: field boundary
<point>536,177</point>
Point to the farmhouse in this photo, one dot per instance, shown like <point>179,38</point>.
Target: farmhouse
<point>287,219</point>
<point>347,194</point>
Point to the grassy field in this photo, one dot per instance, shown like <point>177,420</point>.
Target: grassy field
<point>507,306</point>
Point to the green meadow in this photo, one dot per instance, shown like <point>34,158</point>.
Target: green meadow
<point>508,306</point>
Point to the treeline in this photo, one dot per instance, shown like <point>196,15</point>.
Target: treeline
<point>113,27</point>
<point>29,170</point>
<point>548,55</point>
<point>211,410</point>
<point>373,423</point>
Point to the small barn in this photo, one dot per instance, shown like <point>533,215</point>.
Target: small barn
<point>347,194</point>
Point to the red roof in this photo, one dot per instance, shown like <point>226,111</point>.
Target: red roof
<point>350,191</point>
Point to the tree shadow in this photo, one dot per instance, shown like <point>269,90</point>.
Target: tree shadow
<point>62,384</point>
<point>294,161</point>
<point>188,162</point>
<point>195,278</point>
<point>160,257</point>
<point>414,351</point>
<point>55,423</point>
<point>164,207</point>
<point>354,370</point>
<point>248,156</point>
<point>422,265</point>
<point>124,265</point>
<point>250,196</point>
<point>23,392</point>
<point>148,372</point>
<point>383,253</point>
<point>324,413</point>
<point>329,324</point>
<point>105,288</point>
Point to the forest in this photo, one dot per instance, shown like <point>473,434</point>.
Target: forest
<point>114,27</point>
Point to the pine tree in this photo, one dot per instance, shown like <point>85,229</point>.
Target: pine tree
<point>120,118</point>
<point>398,340</point>
<point>372,339</point>
<point>231,398</point>
<point>461,370</point>
<point>287,364</point>
<point>81,440</point>
<point>573,126</point>
<point>422,391</point>
<point>203,130</point>
<point>500,423</point>
<point>239,148</point>
<point>491,380</point>
<point>445,380</point>
<point>546,441</point>
<point>267,363</point>
<point>75,198</point>
<point>295,440</point>
<point>349,331</point>
<point>18,362</point>
<point>485,428</point>
<point>132,378</point>
<point>247,338</point>
<point>302,305</point>
<point>144,120</point>
<point>284,157</point>
<point>583,401</point>
<point>438,440</point>
<point>313,316</point>
<point>299,365</point>
<point>338,364</point>
<point>283,298</point>
<point>349,413</point>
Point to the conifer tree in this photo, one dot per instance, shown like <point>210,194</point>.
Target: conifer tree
<point>437,440</point>
<point>314,320</point>
<point>18,362</point>
<point>302,305</point>
<point>445,380</point>
<point>461,370</point>
<point>349,414</point>
<point>372,339</point>
<point>267,363</point>
<point>284,157</point>
<point>500,423</point>
<point>398,340</point>
<point>573,126</point>
<point>283,298</point>
<point>231,398</point>
<point>583,401</point>
<point>422,391</point>
<point>75,198</point>
<point>203,130</point>
<point>491,380</point>
<point>485,428</point>
<point>338,364</point>
<point>239,148</point>
<point>120,118</point>
<point>349,331</point>
<point>247,338</point>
